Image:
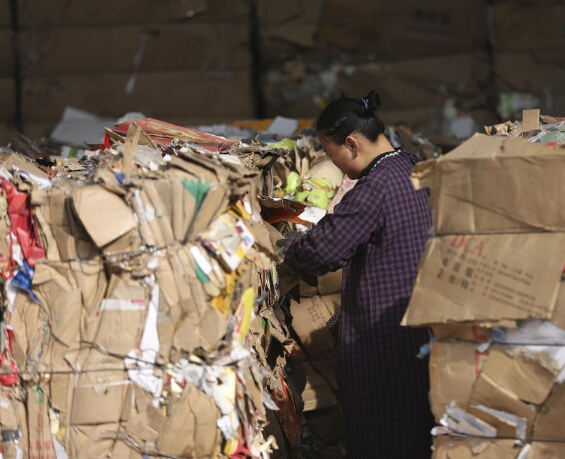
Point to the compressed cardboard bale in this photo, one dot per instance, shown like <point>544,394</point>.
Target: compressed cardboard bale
<point>52,52</point>
<point>406,29</point>
<point>33,14</point>
<point>422,82</point>
<point>528,26</point>
<point>467,278</point>
<point>164,94</point>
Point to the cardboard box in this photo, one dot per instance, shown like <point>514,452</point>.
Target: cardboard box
<point>7,99</point>
<point>168,95</point>
<point>406,29</point>
<point>6,58</point>
<point>465,278</point>
<point>494,185</point>
<point>529,26</point>
<point>309,318</point>
<point>419,82</point>
<point>36,14</point>
<point>76,50</point>
<point>327,284</point>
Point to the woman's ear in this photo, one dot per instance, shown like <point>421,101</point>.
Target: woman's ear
<point>352,145</point>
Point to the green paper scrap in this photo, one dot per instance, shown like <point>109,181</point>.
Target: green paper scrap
<point>198,189</point>
<point>202,277</point>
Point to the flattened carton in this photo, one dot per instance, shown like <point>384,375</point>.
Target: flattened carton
<point>487,278</point>
<point>495,185</point>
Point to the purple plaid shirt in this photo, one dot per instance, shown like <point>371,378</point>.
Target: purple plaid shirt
<point>377,235</point>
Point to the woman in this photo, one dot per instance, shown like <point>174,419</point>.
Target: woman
<point>377,235</point>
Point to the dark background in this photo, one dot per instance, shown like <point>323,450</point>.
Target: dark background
<point>445,66</point>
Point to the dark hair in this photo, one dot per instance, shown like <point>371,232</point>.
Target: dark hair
<point>344,116</point>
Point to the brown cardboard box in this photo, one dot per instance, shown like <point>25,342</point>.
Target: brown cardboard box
<point>529,26</point>
<point>464,278</point>
<point>406,29</point>
<point>494,185</point>
<point>76,50</point>
<point>225,95</point>
<point>6,59</point>
<point>419,82</point>
<point>309,319</point>
<point>7,99</point>
<point>36,14</point>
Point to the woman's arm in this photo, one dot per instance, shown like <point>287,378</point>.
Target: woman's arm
<point>333,241</point>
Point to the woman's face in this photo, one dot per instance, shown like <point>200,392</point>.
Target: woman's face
<point>341,155</point>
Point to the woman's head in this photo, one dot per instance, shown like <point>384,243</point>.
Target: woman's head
<point>346,116</point>
<point>351,133</point>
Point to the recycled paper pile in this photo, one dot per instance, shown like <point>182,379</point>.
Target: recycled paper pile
<point>490,287</point>
<point>130,281</point>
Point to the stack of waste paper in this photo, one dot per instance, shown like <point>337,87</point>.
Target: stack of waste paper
<point>137,284</point>
<point>490,287</point>
<point>299,186</point>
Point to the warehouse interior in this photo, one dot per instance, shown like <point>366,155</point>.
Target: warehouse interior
<point>159,157</point>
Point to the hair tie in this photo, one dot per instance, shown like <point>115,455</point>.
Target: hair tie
<point>365,103</point>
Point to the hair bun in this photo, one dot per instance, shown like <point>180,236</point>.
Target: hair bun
<point>373,101</point>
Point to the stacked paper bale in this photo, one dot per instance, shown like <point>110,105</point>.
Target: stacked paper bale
<point>184,61</point>
<point>129,290</point>
<point>490,287</point>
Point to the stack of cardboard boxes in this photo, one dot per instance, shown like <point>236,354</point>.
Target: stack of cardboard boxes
<point>489,286</point>
<point>185,62</point>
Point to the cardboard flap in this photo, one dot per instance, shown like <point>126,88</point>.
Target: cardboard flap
<point>465,278</point>
<point>105,216</point>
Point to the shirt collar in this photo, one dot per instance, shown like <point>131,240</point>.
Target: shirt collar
<point>377,160</point>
